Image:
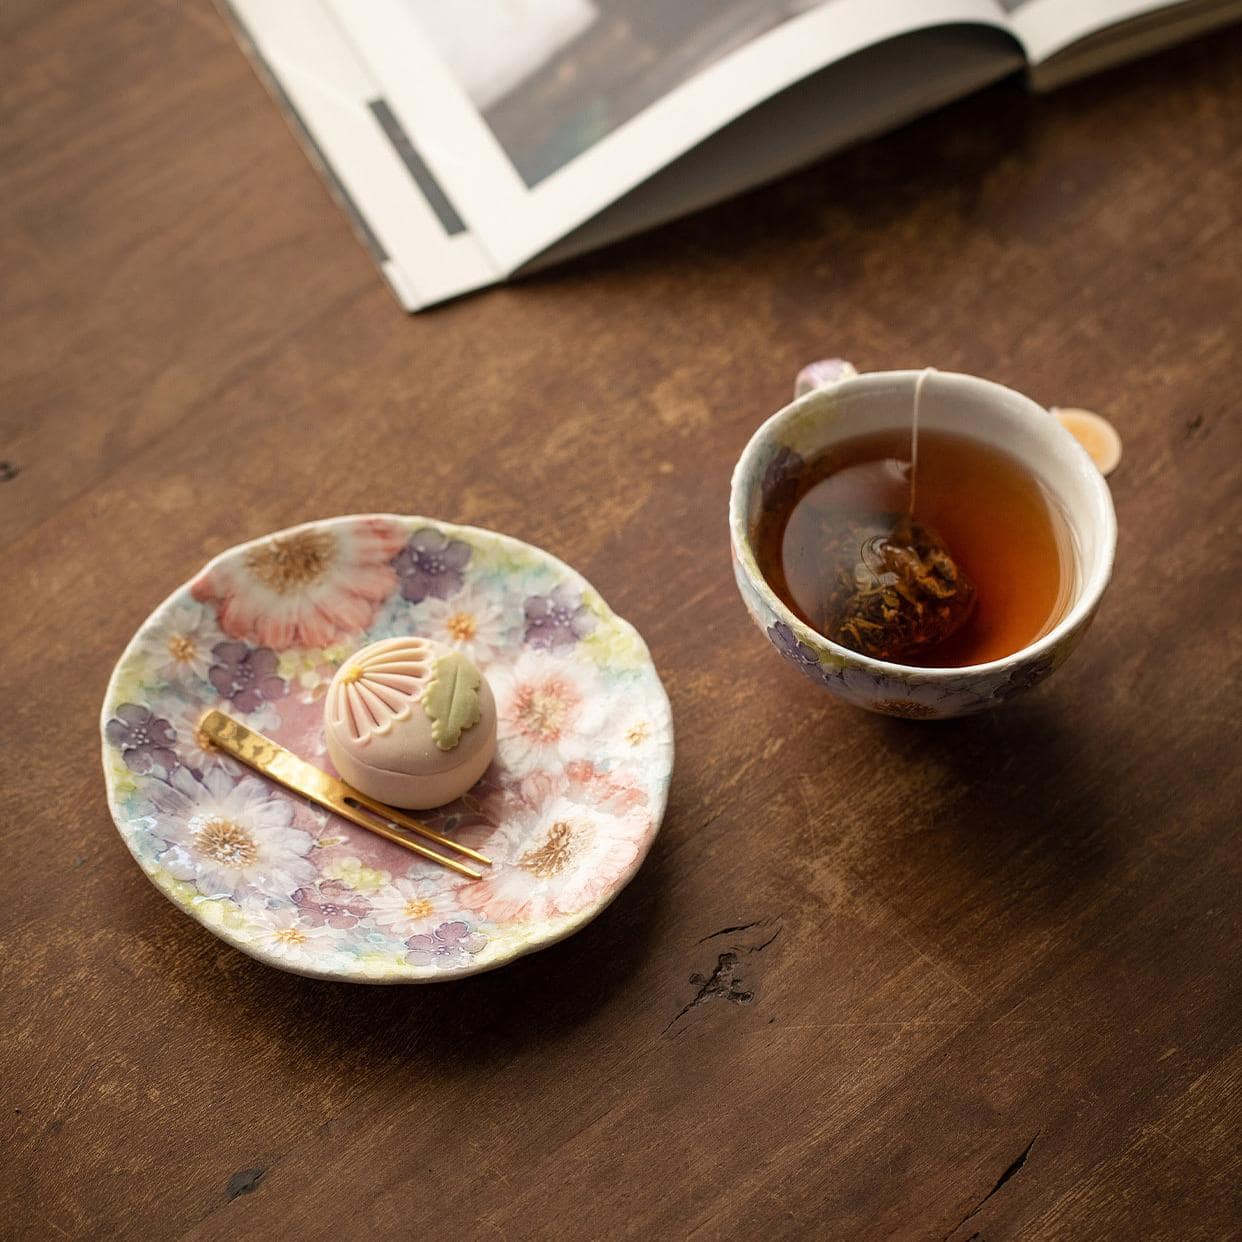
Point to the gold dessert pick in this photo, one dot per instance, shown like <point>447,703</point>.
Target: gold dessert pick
<point>272,760</point>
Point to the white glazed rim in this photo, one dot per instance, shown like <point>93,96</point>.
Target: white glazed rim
<point>1089,593</point>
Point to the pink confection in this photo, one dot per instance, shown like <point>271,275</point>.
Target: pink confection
<point>392,740</point>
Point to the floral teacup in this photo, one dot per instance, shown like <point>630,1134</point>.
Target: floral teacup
<point>835,403</point>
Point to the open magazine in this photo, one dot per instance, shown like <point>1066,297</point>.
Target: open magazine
<point>475,139</point>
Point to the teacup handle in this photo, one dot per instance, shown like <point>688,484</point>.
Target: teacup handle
<point>822,374</point>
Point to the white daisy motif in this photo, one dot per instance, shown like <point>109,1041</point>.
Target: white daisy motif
<point>283,935</point>
<point>231,837</point>
<point>183,645</point>
<point>642,740</point>
<point>195,750</point>
<point>407,906</point>
<point>470,621</point>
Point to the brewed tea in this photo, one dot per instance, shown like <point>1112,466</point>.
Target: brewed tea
<point>978,569</point>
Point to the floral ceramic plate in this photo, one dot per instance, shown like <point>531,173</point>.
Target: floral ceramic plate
<point>567,811</point>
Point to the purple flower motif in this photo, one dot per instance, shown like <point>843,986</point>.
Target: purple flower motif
<point>557,619</point>
<point>1026,676</point>
<point>801,656</point>
<point>246,676</point>
<point>331,904</point>
<point>430,565</point>
<point>821,374</point>
<point>781,476</point>
<point>143,739</point>
<point>451,944</point>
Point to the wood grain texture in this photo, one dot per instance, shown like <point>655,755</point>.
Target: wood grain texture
<point>877,979</point>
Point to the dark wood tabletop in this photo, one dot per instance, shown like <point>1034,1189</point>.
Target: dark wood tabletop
<point>877,979</point>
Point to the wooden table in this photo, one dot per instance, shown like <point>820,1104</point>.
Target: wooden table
<point>877,979</point>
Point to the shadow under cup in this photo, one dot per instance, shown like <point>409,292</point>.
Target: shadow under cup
<point>963,405</point>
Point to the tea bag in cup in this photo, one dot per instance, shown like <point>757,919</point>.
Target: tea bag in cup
<point>896,590</point>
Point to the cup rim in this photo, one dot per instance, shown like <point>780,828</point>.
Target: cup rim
<point>1082,466</point>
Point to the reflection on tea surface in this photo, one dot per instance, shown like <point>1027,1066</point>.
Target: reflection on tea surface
<point>984,567</point>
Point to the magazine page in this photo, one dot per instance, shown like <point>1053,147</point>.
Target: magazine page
<point>533,115</point>
<point>1045,27</point>
<point>868,93</point>
<point>423,249</point>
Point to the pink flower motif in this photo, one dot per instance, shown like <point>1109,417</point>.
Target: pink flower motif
<point>563,841</point>
<point>301,728</point>
<point>548,711</point>
<point>308,588</point>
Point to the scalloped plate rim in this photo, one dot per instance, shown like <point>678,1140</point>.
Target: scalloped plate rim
<point>407,974</point>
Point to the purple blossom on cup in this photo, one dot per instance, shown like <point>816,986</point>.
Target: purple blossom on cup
<point>144,739</point>
<point>246,676</point>
<point>802,657</point>
<point>451,944</point>
<point>822,373</point>
<point>430,565</point>
<point>1026,676</point>
<point>558,619</point>
<point>782,473</point>
<point>331,904</point>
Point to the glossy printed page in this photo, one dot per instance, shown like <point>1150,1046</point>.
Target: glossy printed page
<point>1046,27</point>
<point>337,110</point>
<point>533,117</point>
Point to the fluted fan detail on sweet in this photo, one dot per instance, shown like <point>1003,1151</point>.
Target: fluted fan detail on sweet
<point>380,689</point>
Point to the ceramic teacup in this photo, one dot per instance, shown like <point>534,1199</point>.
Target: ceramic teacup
<point>835,404</point>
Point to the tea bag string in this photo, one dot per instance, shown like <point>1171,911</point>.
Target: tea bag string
<point>914,435</point>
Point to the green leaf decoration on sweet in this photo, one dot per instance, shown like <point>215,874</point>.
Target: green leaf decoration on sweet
<point>451,699</point>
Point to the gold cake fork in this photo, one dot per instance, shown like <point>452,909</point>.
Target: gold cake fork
<point>285,768</point>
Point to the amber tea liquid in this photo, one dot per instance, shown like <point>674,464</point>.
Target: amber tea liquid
<point>992,515</point>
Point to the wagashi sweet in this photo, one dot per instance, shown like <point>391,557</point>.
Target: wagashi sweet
<point>410,722</point>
